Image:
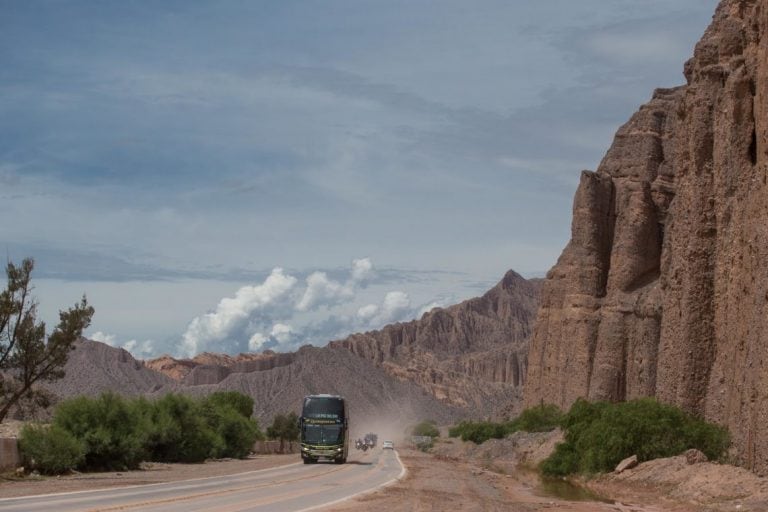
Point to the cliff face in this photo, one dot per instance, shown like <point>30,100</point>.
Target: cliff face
<point>662,289</point>
<point>472,354</point>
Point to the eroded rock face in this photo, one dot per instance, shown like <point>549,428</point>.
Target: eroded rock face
<point>471,355</point>
<point>663,288</point>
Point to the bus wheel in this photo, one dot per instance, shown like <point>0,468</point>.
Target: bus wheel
<point>309,461</point>
<point>342,460</point>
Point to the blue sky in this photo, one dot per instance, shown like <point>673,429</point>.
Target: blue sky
<point>166,157</point>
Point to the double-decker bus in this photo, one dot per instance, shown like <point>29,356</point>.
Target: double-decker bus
<point>324,427</point>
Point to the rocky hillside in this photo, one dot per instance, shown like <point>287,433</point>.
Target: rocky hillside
<point>662,289</point>
<point>277,382</point>
<point>473,354</point>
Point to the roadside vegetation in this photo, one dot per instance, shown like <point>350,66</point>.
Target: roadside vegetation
<point>28,355</point>
<point>599,435</point>
<point>285,427</point>
<point>428,431</point>
<point>542,418</point>
<point>111,432</point>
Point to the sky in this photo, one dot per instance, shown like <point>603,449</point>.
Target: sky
<point>248,175</point>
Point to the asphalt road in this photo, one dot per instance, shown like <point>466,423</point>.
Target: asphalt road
<point>291,488</point>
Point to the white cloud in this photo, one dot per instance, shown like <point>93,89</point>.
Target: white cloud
<point>280,337</point>
<point>366,313</point>
<point>429,307</point>
<point>109,339</point>
<point>362,270</point>
<point>232,313</point>
<point>323,291</point>
<point>256,342</point>
<point>139,349</point>
<point>395,307</point>
<point>282,333</point>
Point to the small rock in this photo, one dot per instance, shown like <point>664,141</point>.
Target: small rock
<point>19,471</point>
<point>694,456</point>
<point>35,473</point>
<point>626,464</point>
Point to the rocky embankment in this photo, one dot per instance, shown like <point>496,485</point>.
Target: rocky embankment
<point>662,288</point>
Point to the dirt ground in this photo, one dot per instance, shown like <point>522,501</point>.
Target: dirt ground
<point>438,483</point>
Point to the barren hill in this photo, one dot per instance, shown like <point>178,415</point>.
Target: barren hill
<point>473,354</point>
<point>277,382</point>
<point>662,289</point>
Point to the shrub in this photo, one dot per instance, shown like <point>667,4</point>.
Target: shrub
<point>426,428</point>
<point>240,402</point>
<point>599,435</point>
<point>179,431</point>
<point>542,418</point>
<point>50,449</point>
<point>108,428</point>
<point>480,431</point>
<point>237,432</point>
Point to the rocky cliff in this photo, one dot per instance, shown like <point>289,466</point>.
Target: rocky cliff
<point>662,289</point>
<point>473,354</point>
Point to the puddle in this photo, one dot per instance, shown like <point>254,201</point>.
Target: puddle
<point>564,490</point>
<point>558,488</point>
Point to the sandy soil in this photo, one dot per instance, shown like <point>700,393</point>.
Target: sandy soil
<point>437,483</point>
<point>151,473</point>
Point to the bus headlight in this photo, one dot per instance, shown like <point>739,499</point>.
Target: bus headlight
<point>340,449</point>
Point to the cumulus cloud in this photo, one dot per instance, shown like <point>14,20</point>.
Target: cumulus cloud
<point>233,313</point>
<point>282,313</point>
<point>139,349</point>
<point>280,335</point>
<point>323,291</point>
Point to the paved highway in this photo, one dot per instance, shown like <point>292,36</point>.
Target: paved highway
<point>291,488</point>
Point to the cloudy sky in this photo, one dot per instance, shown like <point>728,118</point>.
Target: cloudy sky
<point>242,175</point>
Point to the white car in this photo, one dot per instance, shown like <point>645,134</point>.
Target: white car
<point>388,445</point>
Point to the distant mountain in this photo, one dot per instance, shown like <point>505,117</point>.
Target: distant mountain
<point>277,382</point>
<point>472,355</point>
<point>465,360</point>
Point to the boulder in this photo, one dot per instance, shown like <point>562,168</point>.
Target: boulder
<point>626,464</point>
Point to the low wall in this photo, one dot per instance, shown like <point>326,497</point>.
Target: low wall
<point>273,447</point>
<point>9,454</point>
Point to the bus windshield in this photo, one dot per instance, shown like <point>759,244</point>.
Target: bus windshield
<point>323,407</point>
<point>323,434</point>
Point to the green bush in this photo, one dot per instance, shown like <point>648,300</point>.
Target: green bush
<point>50,449</point>
<point>240,402</point>
<point>116,433</point>
<point>237,432</point>
<point>599,435</point>
<point>108,428</point>
<point>542,418</point>
<point>426,428</point>
<point>479,431</point>
<point>179,431</point>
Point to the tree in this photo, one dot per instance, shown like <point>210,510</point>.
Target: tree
<point>284,427</point>
<point>26,356</point>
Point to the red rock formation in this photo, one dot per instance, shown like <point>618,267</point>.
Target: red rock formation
<point>472,354</point>
<point>662,289</point>
<point>210,368</point>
